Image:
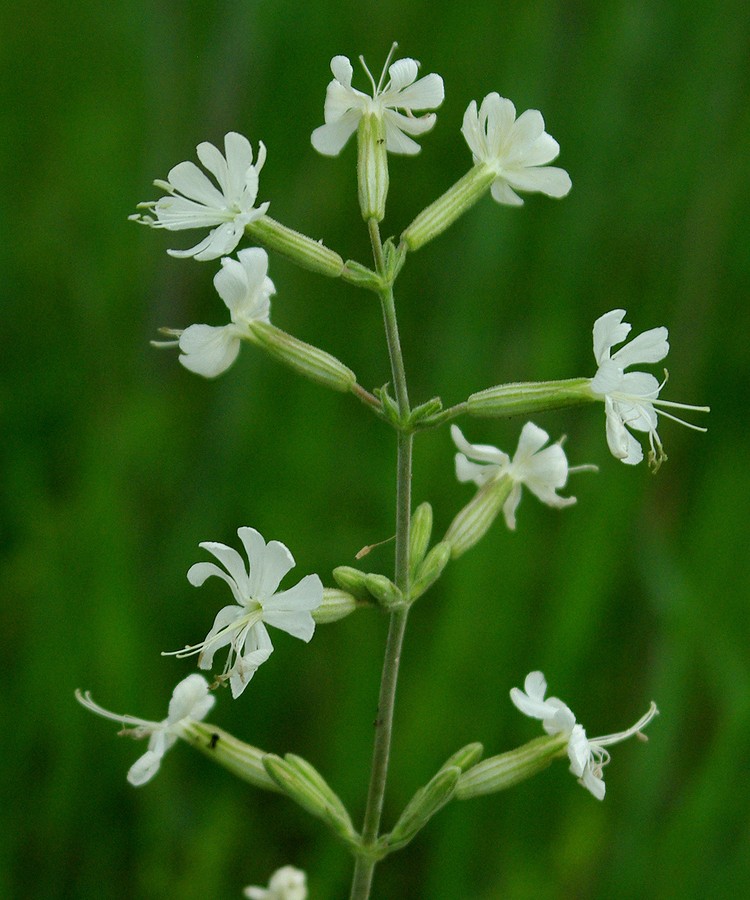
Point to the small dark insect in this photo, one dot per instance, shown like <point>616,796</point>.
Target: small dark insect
<point>381,140</point>
<point>214,740</point>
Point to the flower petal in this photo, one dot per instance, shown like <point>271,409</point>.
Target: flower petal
<point>479,452</point>
<point>239,160</point>
<point>609,330</point>
<point>342,70</point>
<point>503,193</point>
<point>255,548</point>
<point>277,561</point>
<point>208,350</point>
<point>547,180</point>
<point>190,698</point>
<point>532,439</point>
<point>395,140</point>
<point>188,179</point>
<point>511,505</point>
<point>144,768</point>
<point>401,73</point>
<point>290,610</point>
<point>232,562</point>
<point>649,347</point>
<point>427,93</point>
<point>329,139</point>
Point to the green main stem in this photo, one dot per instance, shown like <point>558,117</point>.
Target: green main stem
<point>368,857</point>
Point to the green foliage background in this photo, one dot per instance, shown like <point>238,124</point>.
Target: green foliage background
<point>116,462</point>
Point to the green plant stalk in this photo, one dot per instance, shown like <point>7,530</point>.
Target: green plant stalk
<point>369,854</point>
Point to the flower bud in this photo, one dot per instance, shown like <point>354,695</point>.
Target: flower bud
<point>353,581</point>
<point>242,760</point>
<point>336,605</point>
<point>300,248</point>
<point>299,780</point>
<point>372,167</point>
<point>500,772</point>
<point>465,757</point>
<point>303,358</point>
<point>384,591</point>
<point>427,801</point>
<point>419,535</point>
<point>431,569</point>
<point>523,398</point>
<point>474,520</point>
<point>446,209</point>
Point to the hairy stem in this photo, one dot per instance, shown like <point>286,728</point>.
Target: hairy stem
<point>367,859</point>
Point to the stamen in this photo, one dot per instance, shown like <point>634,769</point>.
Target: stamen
<point>394,45</point>
<point>667,415</point>
<point>369,75</point>
<point>633,730</point>
<point>85,699</point>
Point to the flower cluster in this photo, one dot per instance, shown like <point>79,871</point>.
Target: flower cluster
<point>587,756</point>
<point>511,154</point>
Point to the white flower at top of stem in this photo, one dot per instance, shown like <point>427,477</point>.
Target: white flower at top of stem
<point>517,150</point>
<point>287,883</point>
<point>241,626</point>
<point>246,289</point>
<point>544,470</point>
<point>345,105</point>
<point>630,398</point>
<point>587,756</point>
<point>194,201</point>
<point>190,701</point>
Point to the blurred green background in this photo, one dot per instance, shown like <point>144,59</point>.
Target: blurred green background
<point>116,462</point>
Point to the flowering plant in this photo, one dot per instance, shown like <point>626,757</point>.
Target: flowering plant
<point>510,154</point>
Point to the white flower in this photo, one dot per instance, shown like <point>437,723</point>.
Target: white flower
<point>195,202</point>
<point>543,471</point>
<point>587,757</point>
<point>242,625</point>
<point>190,702</point>
<point>286,883</point>
<point>246,291</point>
<point>630,398</point>
<point>517,150</point>
<point>345,105</point>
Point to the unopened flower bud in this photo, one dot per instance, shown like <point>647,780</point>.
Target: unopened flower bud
<point>466,757</point>
<point>353,581</point>
<point>384,591</point>
<point>306,786</point>
<point>309,361</point>
<point>419,535</point>
<point>431,569</point>
<point>427,801</point>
